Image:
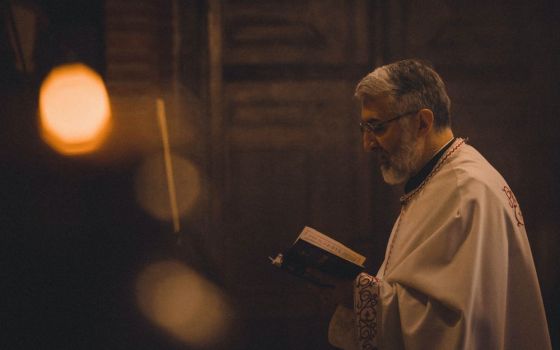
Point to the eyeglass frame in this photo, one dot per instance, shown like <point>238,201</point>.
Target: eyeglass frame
<point>376,128</point>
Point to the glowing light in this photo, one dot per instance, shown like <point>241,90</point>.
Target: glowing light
<point>74,109</point>
<point>152,191</point>
<point>183,303</point>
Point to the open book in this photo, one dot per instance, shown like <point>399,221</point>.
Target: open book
<point>314,250</point>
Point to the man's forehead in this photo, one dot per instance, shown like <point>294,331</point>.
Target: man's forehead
<point>376,107</point>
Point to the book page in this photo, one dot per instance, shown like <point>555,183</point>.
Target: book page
<point>330,245</point>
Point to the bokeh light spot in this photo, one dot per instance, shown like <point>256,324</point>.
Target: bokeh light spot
<point>74,109</point>
<point>152,191</point>
<point>183,303</point>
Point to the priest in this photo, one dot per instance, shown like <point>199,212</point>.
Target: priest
<point>458,271</point>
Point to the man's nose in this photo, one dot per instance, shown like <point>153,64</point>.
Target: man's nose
<point>369,141</point>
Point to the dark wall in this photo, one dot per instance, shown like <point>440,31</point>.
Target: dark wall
<point>261,102</point>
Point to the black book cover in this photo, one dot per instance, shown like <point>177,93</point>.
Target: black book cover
<point>314,250</point>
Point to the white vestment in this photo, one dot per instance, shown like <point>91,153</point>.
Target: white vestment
<point>458,271</point>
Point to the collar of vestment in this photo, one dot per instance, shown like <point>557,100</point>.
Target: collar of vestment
<point>417,179</point>
<point>415,183</point>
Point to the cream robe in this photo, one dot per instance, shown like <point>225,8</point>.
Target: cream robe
<point>458,271</point>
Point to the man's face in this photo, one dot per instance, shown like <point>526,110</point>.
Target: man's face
<point>396,147</point>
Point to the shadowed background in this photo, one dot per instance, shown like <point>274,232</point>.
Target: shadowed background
<point>264,140</point>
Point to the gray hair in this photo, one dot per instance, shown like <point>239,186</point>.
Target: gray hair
<point>413,84</point>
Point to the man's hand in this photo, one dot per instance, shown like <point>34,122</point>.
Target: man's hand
<point>338,290</point>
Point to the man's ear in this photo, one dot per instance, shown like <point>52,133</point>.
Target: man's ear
<point>426,121</point>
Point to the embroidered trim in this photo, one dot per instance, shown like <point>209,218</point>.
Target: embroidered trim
<point>514,205</point>
<point>393,241</point>
<point>366,299</point>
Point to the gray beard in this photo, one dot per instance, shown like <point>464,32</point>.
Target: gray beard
<point>401,165</point>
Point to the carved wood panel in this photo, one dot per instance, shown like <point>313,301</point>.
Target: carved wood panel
<point>292,159</point>
<point>290,154</point>
<point>281,32</point>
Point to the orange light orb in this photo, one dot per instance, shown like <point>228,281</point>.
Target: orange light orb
<point>74,109</point>
<point>183,303</point>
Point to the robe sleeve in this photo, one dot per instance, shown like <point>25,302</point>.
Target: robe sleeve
<point>357,328</point>
<point>390,316</point>
<point>342,329</point>
<point>367,310</point>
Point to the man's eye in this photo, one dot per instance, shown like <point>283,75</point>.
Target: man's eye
<point>378,127</point>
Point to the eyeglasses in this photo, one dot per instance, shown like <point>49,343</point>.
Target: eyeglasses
<point>378,128</point>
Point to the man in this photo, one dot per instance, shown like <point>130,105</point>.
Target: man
<point>458,271</point>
